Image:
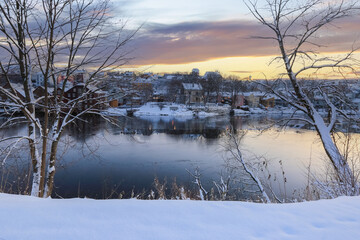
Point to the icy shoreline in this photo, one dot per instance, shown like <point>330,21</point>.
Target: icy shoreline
<point>25,217</point>
<point>184,111</point>
<point>170,109</point>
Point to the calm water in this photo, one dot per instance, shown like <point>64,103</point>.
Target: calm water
<point>96,158</point>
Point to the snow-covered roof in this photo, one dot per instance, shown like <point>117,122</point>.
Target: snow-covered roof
<point>90,87</point>
<point>255,94</point>
<point>225,94</point>
<point>143,80</point>
<point>192,86</point>
<point>49,89</point>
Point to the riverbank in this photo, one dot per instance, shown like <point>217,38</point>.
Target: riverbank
<point>170,109</point>
<point>209,110</point>
<point>181,110</point>
<point>24,217</point>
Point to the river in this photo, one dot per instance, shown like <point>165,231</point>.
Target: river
<point>101,160</point>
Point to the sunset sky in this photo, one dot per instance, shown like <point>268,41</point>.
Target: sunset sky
<point>214,35</point>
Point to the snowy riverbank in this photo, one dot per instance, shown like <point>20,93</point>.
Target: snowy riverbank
<point>169,109</point>
<point>24,217</point>
<point>269,111</point>
<point>184,111</point>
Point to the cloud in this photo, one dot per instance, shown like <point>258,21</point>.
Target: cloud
<point>201,41</point>
<point>242,71</point>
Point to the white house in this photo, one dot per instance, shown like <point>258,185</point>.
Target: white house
<point>192,93</point>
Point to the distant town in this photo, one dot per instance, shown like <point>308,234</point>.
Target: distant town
<point>210,93</point>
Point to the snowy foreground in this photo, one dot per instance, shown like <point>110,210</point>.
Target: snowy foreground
<point>24,217</point>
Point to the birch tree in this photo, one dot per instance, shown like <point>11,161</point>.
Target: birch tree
<point>232,146</point>
<point>295,27</point>
<point>58,37</point>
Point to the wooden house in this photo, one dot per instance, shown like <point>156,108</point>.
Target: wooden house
<point>192,93</point>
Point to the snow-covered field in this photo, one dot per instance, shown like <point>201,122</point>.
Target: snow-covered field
<point>24,217</point>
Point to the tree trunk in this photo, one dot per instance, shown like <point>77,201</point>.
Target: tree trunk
<point>36,163</point>
<point>51,169</point>
<point>342,168</point>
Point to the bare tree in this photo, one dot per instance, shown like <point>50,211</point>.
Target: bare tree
<point>295,26</point>
<point>58,37</point>
<point>232,146</point>
<point>212,87</point>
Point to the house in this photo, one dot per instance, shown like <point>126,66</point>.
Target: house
<point>114,103</point>
<point>37,79</point>
<point>224,98</point>
<point>128,74</point>
<point>144,88</point>
<point>268,101</point>
<point>19,89</point>
<point>77,77</point>
<point>192,93</point>
<point>130,97</point>
<point>158,97</point>
<point>13,74</point>
<point>89,97</point>
<point>252,99</point>
<point>238,100</point>
<point>40,92</point>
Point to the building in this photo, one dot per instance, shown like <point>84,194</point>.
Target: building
<point>252,99</point>
<point>77,77</point>
<point>37,79</point>
<point>87,97</point>
<point>268,101</point>
<point>238,101</point>
<point>13,74</point>
<point>193,93</point>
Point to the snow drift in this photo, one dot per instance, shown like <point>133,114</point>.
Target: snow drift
<point>25,217</point>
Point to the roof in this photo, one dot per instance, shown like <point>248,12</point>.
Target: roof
<point>255,94</point>
<point>192,86</point>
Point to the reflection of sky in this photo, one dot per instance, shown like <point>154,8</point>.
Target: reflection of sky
<point>98,157</point>
<point>135,161</point>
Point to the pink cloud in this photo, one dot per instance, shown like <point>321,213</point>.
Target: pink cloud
<point>200,41</point>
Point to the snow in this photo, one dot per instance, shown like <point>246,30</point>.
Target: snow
<point>168,109</point>
<point>269,111</point>
<point>115,111</point>
<point>192,86</point>
<point>25,217</point>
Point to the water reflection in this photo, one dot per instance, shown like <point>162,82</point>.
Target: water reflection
<point>97,157</point>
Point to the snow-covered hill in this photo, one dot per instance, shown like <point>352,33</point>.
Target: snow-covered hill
<point>24,217</point>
